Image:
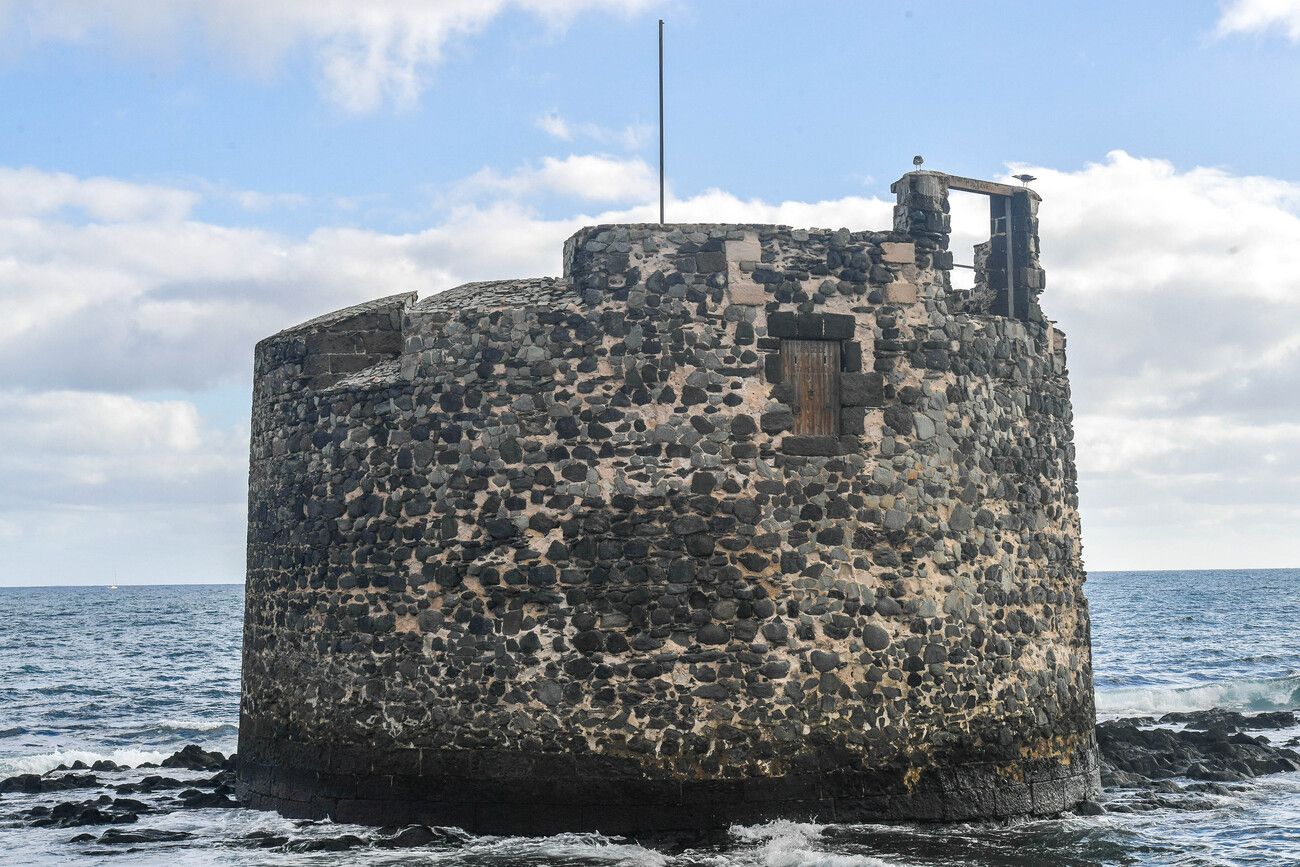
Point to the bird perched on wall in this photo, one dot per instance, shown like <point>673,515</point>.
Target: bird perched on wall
<point>917,160</point>
<point>1024,179</point>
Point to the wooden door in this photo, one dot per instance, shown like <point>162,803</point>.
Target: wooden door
<point>812,370</point>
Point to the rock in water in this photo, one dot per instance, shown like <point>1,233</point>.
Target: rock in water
<point>35,784</point>
<point>193,757</point>
<point>197,800</point>
<point>327,844</point>
<point>422,835</point>
<point>1231,720</point>
<point>118,837</point>
<point>267,840</point>
<point>1217,754</point>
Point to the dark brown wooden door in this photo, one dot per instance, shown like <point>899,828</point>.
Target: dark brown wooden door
<point>812,370</point>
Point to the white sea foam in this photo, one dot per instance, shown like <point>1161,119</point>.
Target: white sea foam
<point>39,763</point>
<point>584,848</point>
<point>564,848</point>
<point>1279,693</point>
<point>782,843</point>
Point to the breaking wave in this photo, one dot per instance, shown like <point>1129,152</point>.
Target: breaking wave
<point>42,762</point>
<point>561,848</point>
<point>782,843</point>
<point>185,729</point>
<point>1276,693</point>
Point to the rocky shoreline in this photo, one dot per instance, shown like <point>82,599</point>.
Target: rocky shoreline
<point>121,805</point>
<point>1177,761</point>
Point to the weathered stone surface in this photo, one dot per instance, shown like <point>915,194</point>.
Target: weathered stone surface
<point>874,637</point>
<point>776,421</point>
<point>862,389</point>
<point>900,292</point>
<point>812,446</point>
<point>746,292</point>
<point>551,555</point>
<point>898,253</point>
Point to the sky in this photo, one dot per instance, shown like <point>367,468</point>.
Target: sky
<point>178,181</point>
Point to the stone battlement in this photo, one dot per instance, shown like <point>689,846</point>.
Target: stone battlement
<point>728,522</point>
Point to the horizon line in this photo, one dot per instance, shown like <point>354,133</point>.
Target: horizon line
<point>241,582</point>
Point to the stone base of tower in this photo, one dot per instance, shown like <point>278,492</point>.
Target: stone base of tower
<point>495,793</point>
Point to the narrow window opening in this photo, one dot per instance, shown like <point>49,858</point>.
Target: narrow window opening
<point>811,368</point>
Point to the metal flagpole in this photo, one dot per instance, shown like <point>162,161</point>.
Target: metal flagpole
<point>661,121</point>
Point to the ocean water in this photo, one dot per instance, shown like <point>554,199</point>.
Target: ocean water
<point>132,675</point>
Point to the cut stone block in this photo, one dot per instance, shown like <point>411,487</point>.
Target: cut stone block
<point>900,292</point>
<point>898,253</point>
<point>747,250</point>
<point>746,292</point>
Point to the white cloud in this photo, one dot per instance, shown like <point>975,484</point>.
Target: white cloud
<point>1257,16</point>
<point>591,177</point>
<point>100,483</point>
<point>555,126</point>
<point>173,544</point>
<point>1180,293</point>
<point>152,300</point>
<point>84,449</point>
<point>53,421</point>
<point>251,200</point>
<point>367,54</point>
<point>35,193</point>
<point>122,302</point>
<point>631,137</point>
<point>1192,279</point>
<point>1179,290</point>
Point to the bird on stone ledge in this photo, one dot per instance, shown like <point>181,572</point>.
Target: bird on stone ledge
<point>917,160</point>
<point>1024,179</point>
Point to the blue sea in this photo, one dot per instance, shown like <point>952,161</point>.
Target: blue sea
<point>132,675</point>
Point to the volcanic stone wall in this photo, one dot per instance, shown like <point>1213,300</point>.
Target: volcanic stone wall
<point>553,554</point>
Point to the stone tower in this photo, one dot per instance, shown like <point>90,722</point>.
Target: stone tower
<point>729,522</point>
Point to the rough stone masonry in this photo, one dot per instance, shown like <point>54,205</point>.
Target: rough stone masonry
<point>729,522</point>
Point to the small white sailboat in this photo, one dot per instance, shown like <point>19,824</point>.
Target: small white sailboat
<point>113,586</point>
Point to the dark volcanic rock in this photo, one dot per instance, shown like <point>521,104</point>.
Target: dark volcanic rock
<point>223,778</point>
<point>192,757</point>
<point>266,840</point>
<point>1229,720</point>
<point>71,814</point>
<point>119,837</point>
<point>196,800</point>
<point>131,805</point>
<point>422,835</point>
<point>151,783</point>
<point>327,844</point>
<point>30,783</point>
<point>35,784</point>
<point>1133,756</point>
